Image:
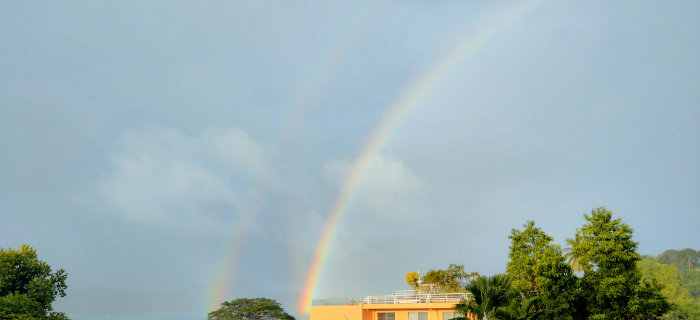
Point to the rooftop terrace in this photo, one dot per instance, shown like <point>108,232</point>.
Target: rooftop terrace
<point>405,296</point>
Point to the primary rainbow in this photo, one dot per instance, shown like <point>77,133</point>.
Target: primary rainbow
<point>410,97</point>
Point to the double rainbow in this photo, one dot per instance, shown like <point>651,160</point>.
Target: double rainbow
<point>409,98</point>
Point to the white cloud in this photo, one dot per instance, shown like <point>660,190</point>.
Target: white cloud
<point>239,152</point>
<point>190,182</point>
<point>389,188</point>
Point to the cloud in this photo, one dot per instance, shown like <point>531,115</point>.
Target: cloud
<point>388,188</point>
<point>197,182</point>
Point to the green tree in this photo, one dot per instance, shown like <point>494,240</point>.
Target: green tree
<point>611,282</point>
<point>668,276</point>
<point>451,280</point>
<point>28,287</point>
<point>488,295</point>
<point>520,309</point>
<point>19,306</point>
<point>539,270</point>
<point>685,259</point>
<point>412,279</point>
<point>690,281</point>
<point>573,253</point>
<point>250,309</point>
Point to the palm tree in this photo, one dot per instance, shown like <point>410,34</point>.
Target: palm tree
<point>573,253</point>
<point>518,310</point>
<point>488,294</point>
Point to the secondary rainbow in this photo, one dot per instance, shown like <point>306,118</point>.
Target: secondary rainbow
<point>409,98</point>
<point>222,282</point>
<point>313,88</point>
<point>309,95</point>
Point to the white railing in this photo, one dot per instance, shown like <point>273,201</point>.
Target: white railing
<point>411,296</point>
<point>335,301</point>
<point>448,297</point>
<point>379,299</point>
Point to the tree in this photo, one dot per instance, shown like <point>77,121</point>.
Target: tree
<point>488,295</point>
<point>611,282</point>
<point>412,279</point>
<point>250,309</point>
<point>539,270</point>
<point>685,259</point>
<point>28,287</point>
<point>669,278</point>
<point>573,253</point>
<point>520,309</point>
<point>667,275</point>
<point>690,280</point>
<point>451,280</point>
<point>19,306</point>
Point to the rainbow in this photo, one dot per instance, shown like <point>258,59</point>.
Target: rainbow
<point>312,90</point>
<point>409,98</point>
<point>222,284</point>
<point>309,95</point>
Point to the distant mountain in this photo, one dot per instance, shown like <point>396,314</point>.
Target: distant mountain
<point>99,301</point>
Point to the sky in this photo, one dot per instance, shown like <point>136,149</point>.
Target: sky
<point>164,145</point>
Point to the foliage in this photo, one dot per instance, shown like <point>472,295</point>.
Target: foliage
<point>520,309</point>
<point>690,280</point>
<point>28,287</point>
<point>647,301</point>
<point>526,249</point>
<point>666,275</point>
<point>539,270</point>
<point>488,295</point>
<point>611,282</point>
<point>573,253</point>
<point>451,280</point>
<point>412,279</point>
<point>250,309</point>
<point>20,306</point>
<point>677,285</point>
<point>686,259</point>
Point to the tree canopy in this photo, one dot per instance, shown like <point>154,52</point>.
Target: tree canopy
<point>611,282</point>
<point>686,259</point>
<point>611,285</point>
<point>453,279</point>
<point>679,286</point>
<point>539,271</point>
<point>573,253</point>
<point>250,309</point>
<point>489,295</point>
<point>615,282</point>
<point>28,287</point>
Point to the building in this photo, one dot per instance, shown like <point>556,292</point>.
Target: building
<point>429,304</point>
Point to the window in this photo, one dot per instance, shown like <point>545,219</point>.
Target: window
<point>449,315</point>
<point>386,316</point>
<point>417,316</point>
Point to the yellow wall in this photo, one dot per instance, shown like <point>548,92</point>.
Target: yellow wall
<point>349,312</point>
<point>369,311</point>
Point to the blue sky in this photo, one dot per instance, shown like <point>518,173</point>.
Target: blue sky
<point>141,141</point>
